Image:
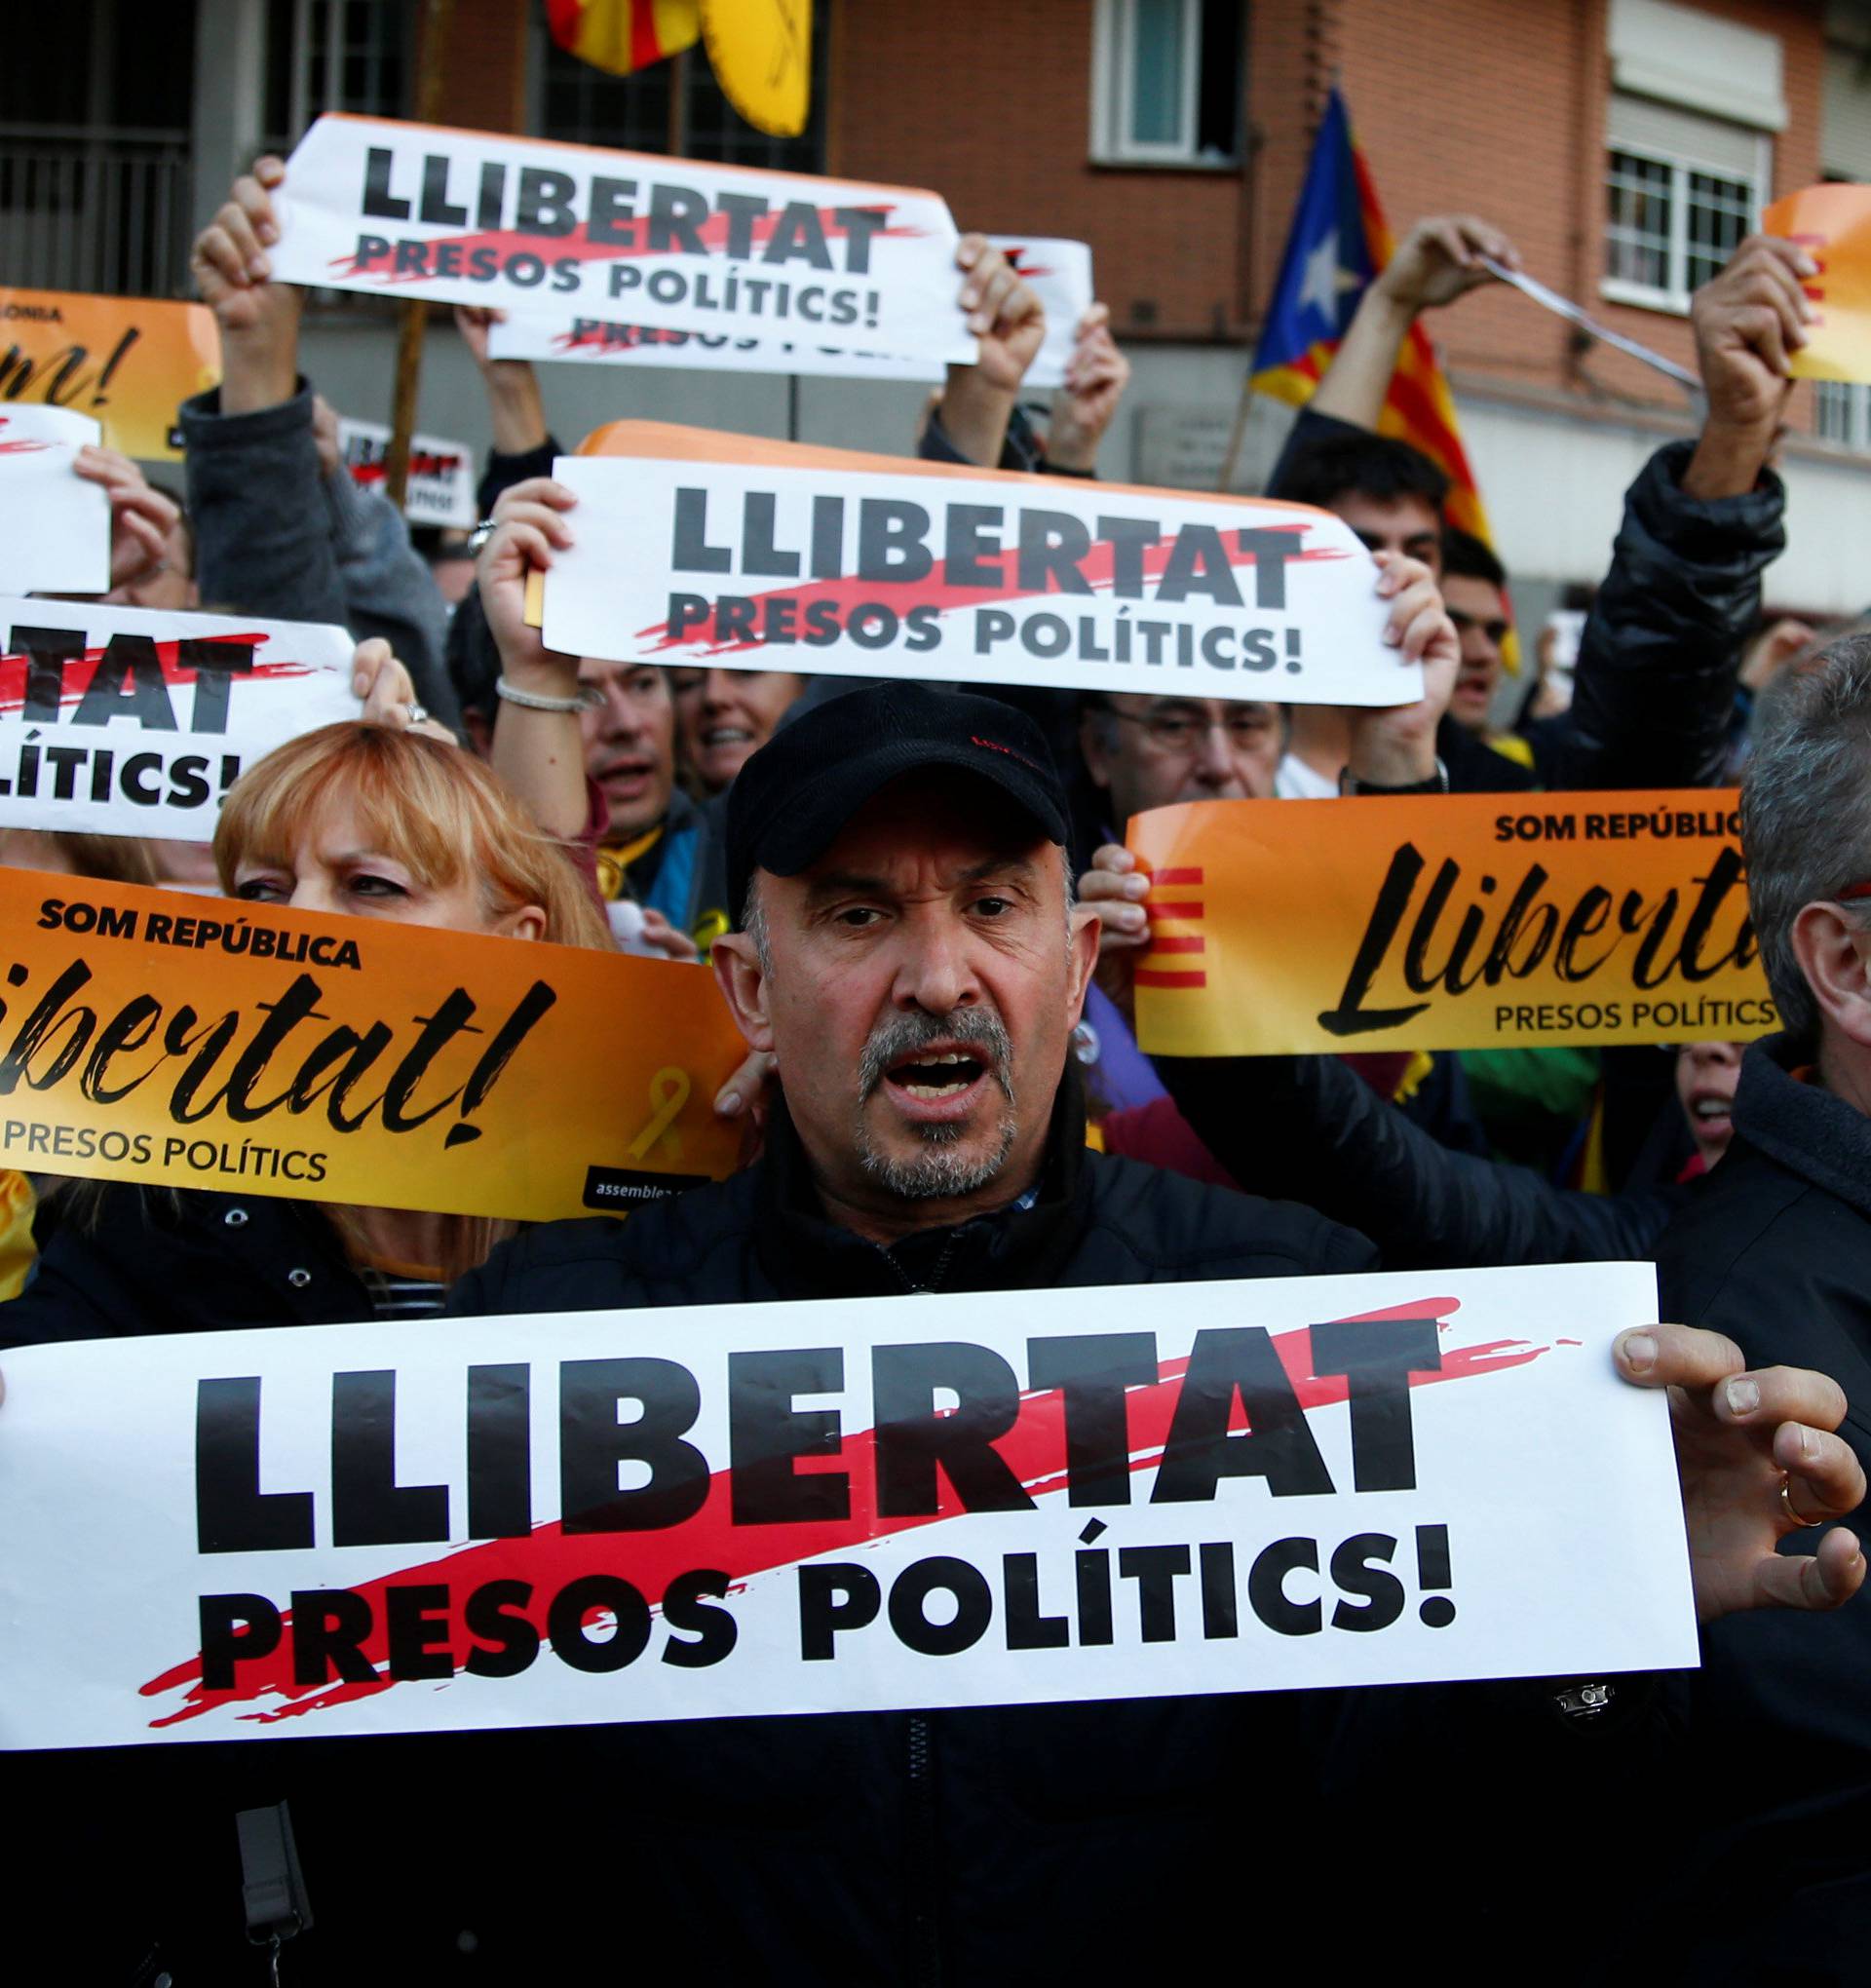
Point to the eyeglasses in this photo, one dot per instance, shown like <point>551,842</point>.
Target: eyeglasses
<point>1181,731</point>
<point>1850,894</point>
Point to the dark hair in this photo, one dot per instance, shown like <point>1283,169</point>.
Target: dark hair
<point>1369,464</point>
<point>1464,556</point>
<point>469,655</point>
<point>1806,806</point>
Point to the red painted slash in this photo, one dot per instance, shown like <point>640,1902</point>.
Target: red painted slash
<point>938,591</point>
<point>579,246</point>
<point>546,1559</point>
<point>79,669</point>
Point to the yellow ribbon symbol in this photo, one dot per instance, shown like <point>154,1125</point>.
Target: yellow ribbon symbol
<point>668,1093</point>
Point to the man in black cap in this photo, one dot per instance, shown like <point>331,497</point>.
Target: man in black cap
<point>911,956</point>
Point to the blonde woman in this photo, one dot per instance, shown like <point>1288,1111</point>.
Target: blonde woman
<point>373,822</point>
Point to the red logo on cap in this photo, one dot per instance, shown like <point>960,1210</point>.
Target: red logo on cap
<point>995,746</point>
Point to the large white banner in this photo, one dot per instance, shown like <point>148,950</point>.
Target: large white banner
<point>882,1504</point>
<point>54,524</point>
<point>472,218</point>
<point>128,721</point>
<point>1060,271</point>
<point>440,489</point>
<point>697,549</point>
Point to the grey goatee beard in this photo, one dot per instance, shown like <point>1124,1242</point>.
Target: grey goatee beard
<point>935,1173</point>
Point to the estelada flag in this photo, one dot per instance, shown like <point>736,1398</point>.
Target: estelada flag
<point>1338,245</point>
<point>623,35</point>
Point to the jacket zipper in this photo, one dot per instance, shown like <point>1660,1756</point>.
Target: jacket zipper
<point>926,1939</point>
<point>935,1275</point>
<point>925,1933</point>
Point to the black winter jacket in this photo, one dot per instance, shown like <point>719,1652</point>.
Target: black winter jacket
<point>960,1845</point>
<point>1774,1250</point>
<point>1087,1841</point>
<point>1097,1220</point>
<point>190,1262</point>
<point>1316,1130</point>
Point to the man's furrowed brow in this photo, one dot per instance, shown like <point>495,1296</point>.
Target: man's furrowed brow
<point>835,884</point>
<point>1018,869</point>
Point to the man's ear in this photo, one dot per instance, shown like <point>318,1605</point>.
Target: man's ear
<point>743,981</point>
<point>1830,946</point>
<point>1082,944</point>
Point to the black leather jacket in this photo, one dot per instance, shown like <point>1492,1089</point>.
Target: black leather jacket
<point>1314,1128</point>
<point>1774,1250</point>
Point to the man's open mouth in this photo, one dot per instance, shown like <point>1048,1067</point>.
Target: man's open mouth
<point>937,1076</point>
<point>938,1082</point>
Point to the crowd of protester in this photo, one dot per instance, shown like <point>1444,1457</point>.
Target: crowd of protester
<point>1702,1829</point>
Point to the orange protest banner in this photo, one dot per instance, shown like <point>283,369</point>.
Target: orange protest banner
<point>1447,922</point>
<point>129,362</point>
<point>191,1042</point>
<point>1833,224</point>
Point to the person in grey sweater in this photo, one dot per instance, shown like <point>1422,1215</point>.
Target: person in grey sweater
<point>280,529</point>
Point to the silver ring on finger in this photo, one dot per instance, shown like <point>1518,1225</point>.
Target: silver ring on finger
<point>416,711</point>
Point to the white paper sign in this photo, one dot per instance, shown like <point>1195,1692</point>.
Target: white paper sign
<point>469,217</point>
<point>878,1503</point>
<point>440,489</point>
<point>1060,271</point>
<point>54,524</point>
<point>962,576</point>
<point>128,721</point>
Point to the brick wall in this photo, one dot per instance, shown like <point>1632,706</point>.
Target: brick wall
<point>1492,106</point>
<point>1500,109</point>
<point>483,79</point>
<point>990,103</point>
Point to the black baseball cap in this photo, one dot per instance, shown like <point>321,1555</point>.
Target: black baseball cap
<point>790,800</point>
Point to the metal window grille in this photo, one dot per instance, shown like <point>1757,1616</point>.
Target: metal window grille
<point>85,209</point>
<point>350,55</point>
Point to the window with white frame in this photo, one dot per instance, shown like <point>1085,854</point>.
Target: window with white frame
<point>1682,189</point>
<point>1167,82</point>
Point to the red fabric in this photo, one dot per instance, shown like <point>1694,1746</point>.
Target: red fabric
<point>1159,1135</point>
<point>1383,1070</point>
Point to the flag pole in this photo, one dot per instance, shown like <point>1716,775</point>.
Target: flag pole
<point>412,317</point>
<point>1235,440</point>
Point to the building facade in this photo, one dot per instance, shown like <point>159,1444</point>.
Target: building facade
<point>1625,144</point>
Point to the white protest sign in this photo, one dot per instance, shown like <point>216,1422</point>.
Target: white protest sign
<point>57,535</point>
<point>996,1499</point>
<point>1060,271</point>
<point>470,217</point>
<point>442,474</point>
<point>702,548</point>
<point>129,721</point>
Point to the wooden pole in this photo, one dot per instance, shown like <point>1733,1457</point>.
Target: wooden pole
<point>412,317</point>
<point>1240,433</point>
<point>677,140</point>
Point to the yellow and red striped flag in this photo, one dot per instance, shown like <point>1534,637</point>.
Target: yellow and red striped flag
<point>621,36</point>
